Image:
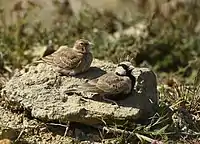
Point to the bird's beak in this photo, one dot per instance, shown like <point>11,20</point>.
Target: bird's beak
<point>131,67</point>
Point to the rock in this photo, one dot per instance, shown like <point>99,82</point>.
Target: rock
<point>18,128</point>
<point>144,95</point>
<point>41,91</point>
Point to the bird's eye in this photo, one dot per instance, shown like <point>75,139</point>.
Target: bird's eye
<point>124,66</point>
<point>81,43</point>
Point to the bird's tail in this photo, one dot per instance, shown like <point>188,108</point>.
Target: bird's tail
<point>71,90</point>
<point>84,88</point>
<point>38,61</point>
<point>87,87</point>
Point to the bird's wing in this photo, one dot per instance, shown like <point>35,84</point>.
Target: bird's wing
<point>65,58</point>
<point>87,60</point>
<point>88,87</point>
<point>108,84</point>
<point>113,84</point>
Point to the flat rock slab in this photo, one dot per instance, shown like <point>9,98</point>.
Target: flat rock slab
<point>40,90</point>
<point>17,127</point>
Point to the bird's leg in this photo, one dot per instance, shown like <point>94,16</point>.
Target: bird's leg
<point>60,71</point>
<point>109,100</point>
<point>72,73</point>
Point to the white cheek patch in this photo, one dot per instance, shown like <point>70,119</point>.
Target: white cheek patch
<point>120,71</point>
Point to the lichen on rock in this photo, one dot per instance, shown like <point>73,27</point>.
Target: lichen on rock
<point>41,90</point>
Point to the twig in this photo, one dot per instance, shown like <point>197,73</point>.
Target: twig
<point>189,134</point>
<point>67,128</point>
<point>114,130</point>
<point>20,134</point>
<point>56,124</point>
<point>62,125</point>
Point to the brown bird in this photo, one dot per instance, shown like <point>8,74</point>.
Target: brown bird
<point>71,61</point>
<point>49,49</point>
<point>111,86</point>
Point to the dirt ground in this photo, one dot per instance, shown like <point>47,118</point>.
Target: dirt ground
<point>18,128</point>
<point>21,128</point>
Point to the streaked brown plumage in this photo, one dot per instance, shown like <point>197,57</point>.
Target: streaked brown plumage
<point>71,61</point>
<point>111,86</point>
